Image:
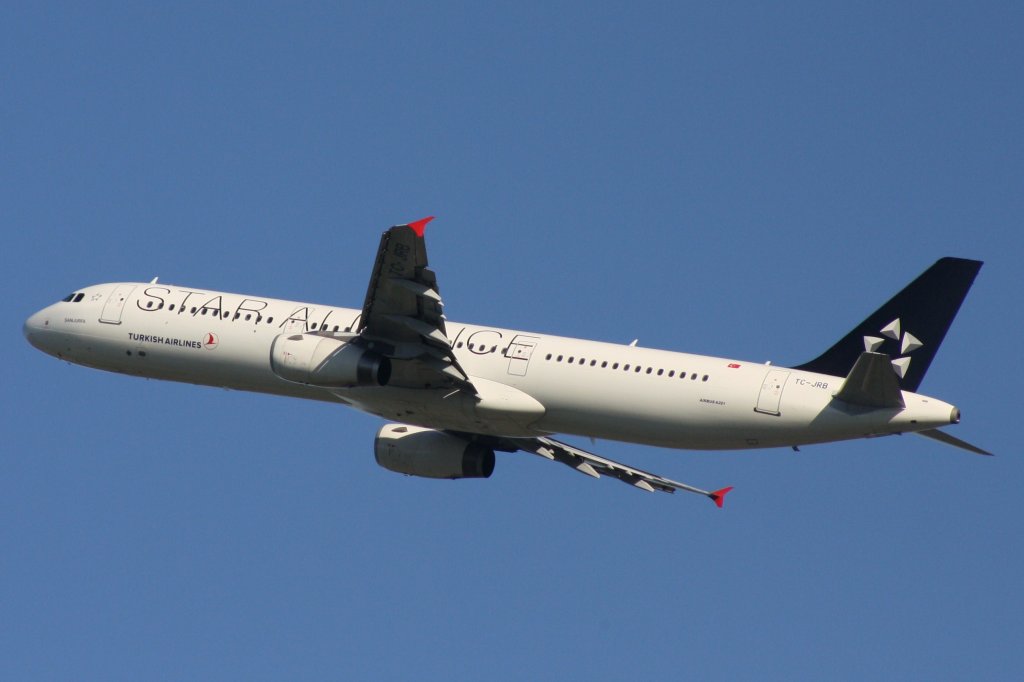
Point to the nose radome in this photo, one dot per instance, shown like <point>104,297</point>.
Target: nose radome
<point>36,323</point>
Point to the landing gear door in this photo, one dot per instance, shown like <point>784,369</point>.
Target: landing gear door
<point>770,398</point>
<point>519,353</point>
<point>115,304</point>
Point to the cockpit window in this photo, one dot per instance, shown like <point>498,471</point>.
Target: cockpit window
<point>67,299</point>
<point>79,297</point>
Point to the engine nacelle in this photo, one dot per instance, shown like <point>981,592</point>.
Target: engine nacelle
<point>416,451</point>
<point>326,361</point>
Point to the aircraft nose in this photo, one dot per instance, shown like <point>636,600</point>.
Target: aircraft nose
<point>36,324</point>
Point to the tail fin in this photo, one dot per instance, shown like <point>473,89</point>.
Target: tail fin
<point>909,328</point>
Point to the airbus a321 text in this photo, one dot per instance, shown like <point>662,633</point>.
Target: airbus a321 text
<point>456,393</point>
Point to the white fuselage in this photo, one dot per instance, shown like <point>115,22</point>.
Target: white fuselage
<point>529,384</point>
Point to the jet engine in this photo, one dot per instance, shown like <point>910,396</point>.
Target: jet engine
<point>416,451</point>
<point>326,361</point>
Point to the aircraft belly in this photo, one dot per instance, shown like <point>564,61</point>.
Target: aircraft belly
<point>497,410</point>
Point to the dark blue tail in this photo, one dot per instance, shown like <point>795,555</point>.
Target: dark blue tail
<point>909,328</point>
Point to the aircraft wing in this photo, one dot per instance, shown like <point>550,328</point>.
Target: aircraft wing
<point>593,465</point>
<point>403,315</point>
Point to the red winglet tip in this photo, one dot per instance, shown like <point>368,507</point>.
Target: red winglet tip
<point>420,225</point>
<point>719,496</point>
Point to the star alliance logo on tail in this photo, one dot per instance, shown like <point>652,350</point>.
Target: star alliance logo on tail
<point>908,344</point>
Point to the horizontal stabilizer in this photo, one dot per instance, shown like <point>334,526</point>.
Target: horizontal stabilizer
<point>944,437</point>
<point>872,383</point>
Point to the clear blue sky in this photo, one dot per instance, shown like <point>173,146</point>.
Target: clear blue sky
<point>720,178</point>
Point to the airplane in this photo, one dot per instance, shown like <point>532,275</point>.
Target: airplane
<point>455,393</point>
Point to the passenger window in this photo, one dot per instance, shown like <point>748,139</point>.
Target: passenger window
<point>170,307</point>
<point>705,378</point>
<point>625,368</point>
<point>270,320</point>
<point>604,364</point>
<point>671,373</point>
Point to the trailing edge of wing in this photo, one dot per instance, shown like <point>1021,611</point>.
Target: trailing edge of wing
<point>593,465</point>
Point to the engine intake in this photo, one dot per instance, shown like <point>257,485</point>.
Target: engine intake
<point>416,451</point>
<point>326,361</point>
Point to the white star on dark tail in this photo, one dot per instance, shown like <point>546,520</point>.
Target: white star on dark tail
<point>908,344</point>
<point>872,343</point>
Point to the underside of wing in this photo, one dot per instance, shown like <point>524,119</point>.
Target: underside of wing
<point>596,466</point>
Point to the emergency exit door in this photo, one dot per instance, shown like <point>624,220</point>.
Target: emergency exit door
<point>519,353</point>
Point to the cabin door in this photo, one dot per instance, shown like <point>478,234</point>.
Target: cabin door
<point>770,398</point>
<point>114,306</point>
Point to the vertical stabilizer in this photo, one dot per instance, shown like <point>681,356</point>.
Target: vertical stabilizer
<point>909,328</point>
